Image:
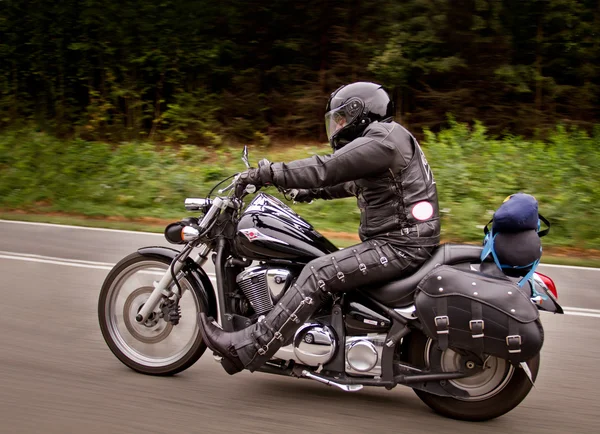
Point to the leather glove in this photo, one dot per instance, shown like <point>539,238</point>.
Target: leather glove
<point>301,195</point>
<point>257,177</point>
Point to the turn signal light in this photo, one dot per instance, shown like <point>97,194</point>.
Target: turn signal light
<point>189,233</point>
<point>549,284</point>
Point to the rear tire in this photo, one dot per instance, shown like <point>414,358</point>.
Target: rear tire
<point>510,390</point>
<point>137,345</point>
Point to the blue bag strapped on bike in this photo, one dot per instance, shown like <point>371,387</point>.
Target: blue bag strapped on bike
<point>514,239</point>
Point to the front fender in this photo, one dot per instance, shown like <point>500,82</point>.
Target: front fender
<point>193,271</point>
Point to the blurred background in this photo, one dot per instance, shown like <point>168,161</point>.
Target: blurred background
<point>112,112</point>
<point>120,110</point>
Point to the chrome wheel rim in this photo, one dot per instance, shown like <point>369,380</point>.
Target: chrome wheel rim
<point>156,343</point>
<point>483,385</point>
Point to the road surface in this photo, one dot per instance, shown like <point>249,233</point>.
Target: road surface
<point>58,376</point>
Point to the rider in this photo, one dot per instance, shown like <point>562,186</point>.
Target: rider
<point>379,162</point>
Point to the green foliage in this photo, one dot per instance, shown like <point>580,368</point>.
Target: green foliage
<point>205,72</point>
<point>474,172</point>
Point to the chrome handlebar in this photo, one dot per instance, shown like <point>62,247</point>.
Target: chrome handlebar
<point>230,186</point>
<point>196,204</point>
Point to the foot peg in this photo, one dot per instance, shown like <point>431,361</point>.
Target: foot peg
<point>345,387</point>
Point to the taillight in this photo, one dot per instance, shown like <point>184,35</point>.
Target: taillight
<point>549,284</point>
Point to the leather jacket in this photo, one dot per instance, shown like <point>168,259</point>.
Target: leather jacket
<point>387,171</point>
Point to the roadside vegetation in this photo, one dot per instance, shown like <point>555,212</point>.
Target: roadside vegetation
<point>119,110</point>
<point>147,183</point>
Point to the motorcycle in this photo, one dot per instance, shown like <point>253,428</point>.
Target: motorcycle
<point>150,301</point>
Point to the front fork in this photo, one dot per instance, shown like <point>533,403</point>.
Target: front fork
<point>161,288</point>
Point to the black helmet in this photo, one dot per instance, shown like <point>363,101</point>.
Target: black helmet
<point>352,107</point>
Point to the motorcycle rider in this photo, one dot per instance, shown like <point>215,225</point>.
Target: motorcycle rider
<point>379,162</point>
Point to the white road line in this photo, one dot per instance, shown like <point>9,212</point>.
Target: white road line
<point>61,261</point>
<point>570,312</point>
<point>570,267</point>
<point>77,261</point>
<point>53,225</point>
<point>48,261</point>
<point>576,311</point>
<point>582,309</point>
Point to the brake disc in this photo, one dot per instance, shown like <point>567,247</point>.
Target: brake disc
<point>155,329</point>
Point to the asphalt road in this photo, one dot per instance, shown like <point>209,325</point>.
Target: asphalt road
<point>58,375</point>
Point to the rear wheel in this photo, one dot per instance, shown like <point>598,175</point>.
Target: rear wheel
<point>496,390</point>
<point>156,347</point>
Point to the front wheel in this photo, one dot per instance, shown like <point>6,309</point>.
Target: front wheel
<point>156,347</point>
<point>496,390</point>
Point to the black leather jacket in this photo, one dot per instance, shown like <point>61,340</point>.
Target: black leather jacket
<point>387,172</point>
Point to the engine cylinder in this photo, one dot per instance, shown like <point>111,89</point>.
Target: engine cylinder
<point>253,283</point>
<point>263,286</point>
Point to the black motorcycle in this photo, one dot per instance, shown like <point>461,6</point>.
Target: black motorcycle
<point>465,368</point>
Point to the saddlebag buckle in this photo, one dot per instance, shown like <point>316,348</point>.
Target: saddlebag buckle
<point>476,326</point>
<point>514,344</point>
<point>442,324</point>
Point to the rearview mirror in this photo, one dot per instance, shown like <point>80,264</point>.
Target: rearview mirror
<point>245,157</point>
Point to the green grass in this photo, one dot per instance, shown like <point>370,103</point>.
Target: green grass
<point>474,173</point>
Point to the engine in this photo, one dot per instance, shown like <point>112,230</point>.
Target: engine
<point>316,344</point>
<point>263,286</point>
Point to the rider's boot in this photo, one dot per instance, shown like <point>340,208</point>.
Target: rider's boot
<point>251,347</point>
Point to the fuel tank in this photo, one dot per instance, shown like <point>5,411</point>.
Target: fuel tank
<point>269,229</point>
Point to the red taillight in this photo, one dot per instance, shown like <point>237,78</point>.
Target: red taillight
<point>549,283</point>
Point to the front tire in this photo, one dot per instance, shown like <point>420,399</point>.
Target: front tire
<point>156,347</point>
<point>493,392</point>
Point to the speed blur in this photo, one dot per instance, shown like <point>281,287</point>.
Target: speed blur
<point>111,113</point>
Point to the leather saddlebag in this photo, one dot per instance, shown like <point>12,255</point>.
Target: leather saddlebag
<point>472,311</point>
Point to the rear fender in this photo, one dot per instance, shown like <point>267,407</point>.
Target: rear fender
<point>196,274</point>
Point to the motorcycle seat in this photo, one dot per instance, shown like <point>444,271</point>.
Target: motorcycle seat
<point>400,293</point>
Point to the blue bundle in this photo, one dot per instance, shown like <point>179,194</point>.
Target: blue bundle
<point>514,240</point>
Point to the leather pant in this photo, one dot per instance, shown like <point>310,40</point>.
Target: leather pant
<point>370,263</point>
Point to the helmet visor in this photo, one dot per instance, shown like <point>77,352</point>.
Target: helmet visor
<point>337,119</point>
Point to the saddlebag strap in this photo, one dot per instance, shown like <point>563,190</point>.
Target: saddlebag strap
<point>513,342</point>
<point>442,323</point>
<point>361,265</point>
<point>477,325</point>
